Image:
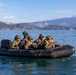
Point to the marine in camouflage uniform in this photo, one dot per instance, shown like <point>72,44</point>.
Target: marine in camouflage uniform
<point>28,42</point>
<point>39,42</point>
<point>25,34</point>
<point>15,43</point>
<point>49,43</point>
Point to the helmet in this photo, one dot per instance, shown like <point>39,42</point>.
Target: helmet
<point>41,36</point>
<point>25,33</point>
<point>29,38</point>
<point>17,37</point>
<point>49,37</point>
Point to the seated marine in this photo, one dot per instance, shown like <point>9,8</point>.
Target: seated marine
<point>25,34</point>
<point>39,42</point>
<point>49,43</point>
<point>21,44</point>
<point>15,42</point>
<point>28,42</point>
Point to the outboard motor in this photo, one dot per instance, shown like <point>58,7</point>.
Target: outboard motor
<point>6,44</point>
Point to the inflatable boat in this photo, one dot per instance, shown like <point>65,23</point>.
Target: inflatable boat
<point>59,52</point>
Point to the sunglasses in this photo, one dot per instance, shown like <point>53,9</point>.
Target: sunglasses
<point>51,38</point>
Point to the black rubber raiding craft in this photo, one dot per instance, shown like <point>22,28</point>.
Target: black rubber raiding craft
<point>59,52</point>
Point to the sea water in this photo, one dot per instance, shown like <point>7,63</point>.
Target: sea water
<point>39,66</point>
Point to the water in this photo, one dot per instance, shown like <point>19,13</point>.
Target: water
<point>36,66</point>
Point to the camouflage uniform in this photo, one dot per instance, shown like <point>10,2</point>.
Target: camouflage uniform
<point>28,42</point>
<point>39,42</point>
<point>16,41</point>
<point>25,34</point>
<point>49,43</point>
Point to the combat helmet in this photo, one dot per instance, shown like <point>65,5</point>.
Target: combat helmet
<point>49,38</point>
<point>29,38</point>
<point>41,36</point>
<point>17,37</point>
<point>25,33</point>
